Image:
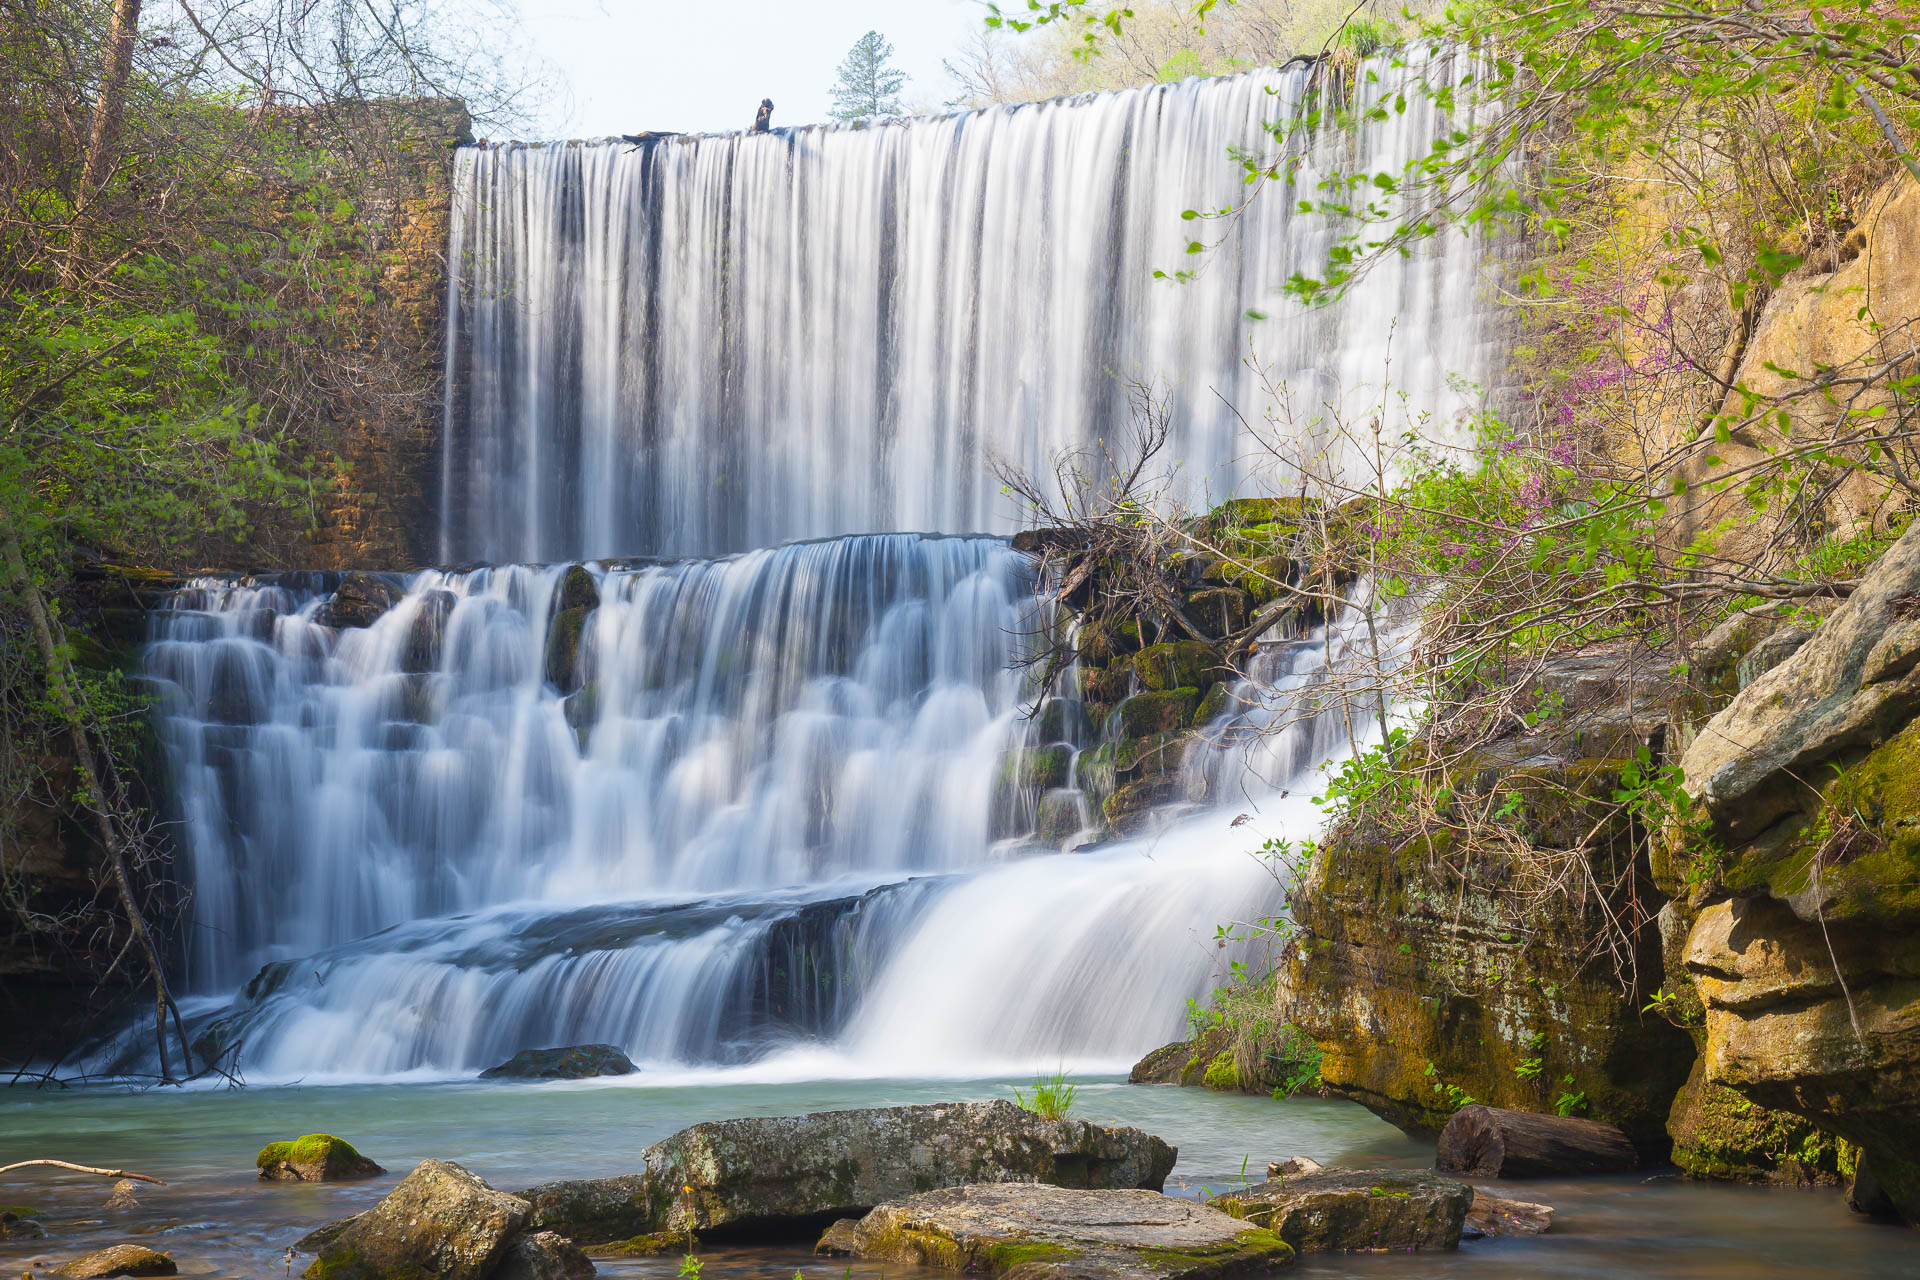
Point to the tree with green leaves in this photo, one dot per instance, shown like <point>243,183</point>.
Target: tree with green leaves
<point>868,85</point>
<point>199,277</point>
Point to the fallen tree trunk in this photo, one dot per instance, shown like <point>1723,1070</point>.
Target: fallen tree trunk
<point>82,1168</point>
<point>1488,1142</point>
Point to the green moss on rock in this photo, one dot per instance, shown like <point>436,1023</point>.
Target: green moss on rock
<point>1178,664</point>
<point>1720,1136</point>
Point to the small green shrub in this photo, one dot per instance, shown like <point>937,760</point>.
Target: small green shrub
<point>1050,1098</point>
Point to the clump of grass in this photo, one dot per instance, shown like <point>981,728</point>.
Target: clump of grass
<point>1050,1098</point>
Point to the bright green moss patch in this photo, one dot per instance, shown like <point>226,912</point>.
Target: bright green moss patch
<point>314,1148</point>
<point>19,1211</point>
<point>1005,1257</point>
<point>1221,1073</point>
<point>641,1246</point>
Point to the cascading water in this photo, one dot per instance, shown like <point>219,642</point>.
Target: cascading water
<point>759,808</point>
<point>704,344</point>
<point>754,814</point>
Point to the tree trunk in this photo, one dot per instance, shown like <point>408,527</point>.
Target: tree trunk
<point>93,796</point>
<point>103,139</point>
<point>1487,1142</point>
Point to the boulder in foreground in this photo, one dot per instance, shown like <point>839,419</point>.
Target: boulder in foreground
<point>1053,1233</point>
<point>1492,1215</point>
<point>120,1260</point>
<point>318,1157</point>
<point>592,1211</point>
<point>569,1062</point>
<point>441,1221</point>
<point>1357,1210</point>
<point>1489,1142</point>
<point>792,1173</point>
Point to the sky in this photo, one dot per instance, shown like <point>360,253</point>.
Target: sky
<point>696,66</point>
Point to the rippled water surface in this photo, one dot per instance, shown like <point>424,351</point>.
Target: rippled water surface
<point>219,1221</point>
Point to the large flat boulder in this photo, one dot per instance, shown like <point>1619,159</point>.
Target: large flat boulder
<point>441,1221</point>
<point>790,1173</point>
<point>1031,1232</point>
<point>1357,1210</point>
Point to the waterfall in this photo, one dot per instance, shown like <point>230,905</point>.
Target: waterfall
<point>704,344</point>
<point>742,800</point>
<point>748,805</point>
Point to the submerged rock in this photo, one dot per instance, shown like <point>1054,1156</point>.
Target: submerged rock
<point>318,1157</point>
<point>543,1255</point>
<point>441,1221</point>
<point>123,1196</point>
<point>570,1062</point>
<point>120,1260</point>
<point>1491,1215</point>
<point>17,1223</point>
<point>360,600</point>
<point>776,1174</point>
<point>1042,1233</point>
<point>1357,1210</point>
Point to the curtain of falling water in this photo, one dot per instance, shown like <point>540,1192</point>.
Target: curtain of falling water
<point>786,717</point>
<point>705,344</point>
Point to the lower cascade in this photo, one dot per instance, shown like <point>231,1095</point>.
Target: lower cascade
<point>714,812</point>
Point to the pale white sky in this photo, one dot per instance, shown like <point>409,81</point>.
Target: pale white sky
<point>694,66</point>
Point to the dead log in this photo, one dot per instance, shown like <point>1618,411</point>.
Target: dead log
<point>1488,1142</point>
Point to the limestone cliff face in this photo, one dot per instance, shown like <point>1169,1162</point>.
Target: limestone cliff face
<point>1804,943</point>
<point>1428,980</point>
<point>1854,311</point>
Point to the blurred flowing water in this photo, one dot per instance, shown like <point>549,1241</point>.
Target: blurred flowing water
<point>701,344</point>
<point>752,809</point>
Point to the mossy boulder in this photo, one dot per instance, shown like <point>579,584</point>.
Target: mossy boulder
<point>1179,664</point>
<point>1042,1233</point>
<point>564,635</point>
<point>1182,1062</point>
<point>441,1221</point>
<point>317,1157</point>
<point>119,1260</point>
<point>1219,701</point>
<point>1358,1210</point>
<point>576,590</point>
<point>1164,711</point>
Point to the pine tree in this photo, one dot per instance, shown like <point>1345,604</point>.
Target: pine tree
<point>868,86</point>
